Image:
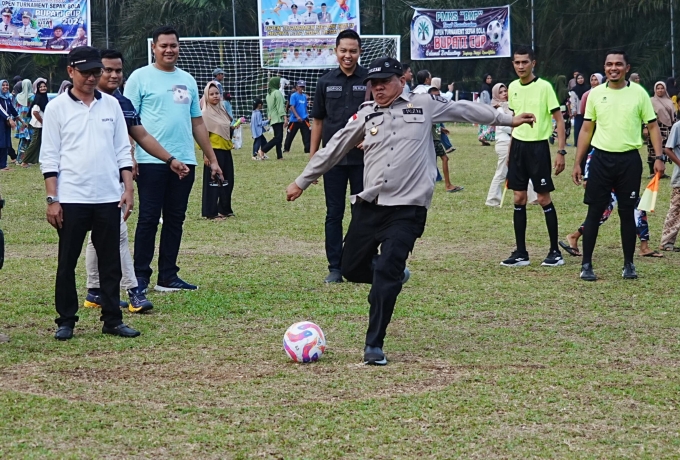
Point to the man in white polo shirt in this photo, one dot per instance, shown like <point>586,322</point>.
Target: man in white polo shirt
<point>84,155</point>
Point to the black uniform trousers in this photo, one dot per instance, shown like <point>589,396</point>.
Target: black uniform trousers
<point>104,221</point>
<point>395,229</point>
<point>293,128</point>
<point>217,200</point>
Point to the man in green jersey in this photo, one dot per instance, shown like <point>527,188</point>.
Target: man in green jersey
<point>530,155</point>
<point>618,109</point>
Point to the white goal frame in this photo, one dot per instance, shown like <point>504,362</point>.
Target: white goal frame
<point>246,80</point>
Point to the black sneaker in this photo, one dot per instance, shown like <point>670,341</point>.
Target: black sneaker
<point>554,259</point>
<point>374,356</point>
<point>143,285</point>
<point>517,259</point>
<point>175,285</point>
<point>94,300</point>
<point>629,272</point>
<point>138,301</point>
<point>587,273</point>
<point>334,276</point>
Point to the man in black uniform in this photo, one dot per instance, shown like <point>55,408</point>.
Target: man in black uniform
<point>57,41</point>
<point>339,93</point>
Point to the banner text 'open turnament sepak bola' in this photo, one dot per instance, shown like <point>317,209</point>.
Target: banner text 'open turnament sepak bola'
<point>461,33</point>
<point>50,27</point>
<point>298,20</point>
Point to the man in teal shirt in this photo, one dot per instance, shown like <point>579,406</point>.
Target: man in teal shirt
<point>167,101</point>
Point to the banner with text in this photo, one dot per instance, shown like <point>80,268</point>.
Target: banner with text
<point>53,27</point>
<point>300,19</point>
<point>460,33</point>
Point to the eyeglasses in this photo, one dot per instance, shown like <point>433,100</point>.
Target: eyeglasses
<point>110,70</point>
<point>91,73</point>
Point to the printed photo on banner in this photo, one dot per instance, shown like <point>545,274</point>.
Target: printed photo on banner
<point>321,19</point>
<point>44,27</point>
<point>461,33</point>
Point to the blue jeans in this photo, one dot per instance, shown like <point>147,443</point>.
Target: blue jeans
<point>446,142</point>
<point>160,192</point>
<point>258,143</point>
<point>335,188</point>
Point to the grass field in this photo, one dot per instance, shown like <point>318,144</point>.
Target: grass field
<point>485,361</point>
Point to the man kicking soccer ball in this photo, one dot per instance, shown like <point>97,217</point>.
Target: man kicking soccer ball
<point>399,176</point>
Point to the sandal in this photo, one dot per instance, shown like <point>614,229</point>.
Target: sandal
<point>652,254</point>
<point>670,248</point>
<point>455,189</point>
<point>572,251</point>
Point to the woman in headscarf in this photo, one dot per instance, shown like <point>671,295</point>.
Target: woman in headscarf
<point>217,193</point>
<point>276,111</point>
<point>486,133</point>
<point>561,89</point>
<point>665,117</point>
<point>36,83</point>
<point>24,102</point>
<point>575,96</point>
<point>499,102</point>
<point>8,114</point>
<point>63,87</point>
<point>37,111</point>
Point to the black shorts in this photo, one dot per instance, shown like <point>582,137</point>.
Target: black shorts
<point>530,161</point>
<point>617,172</point>
<point>439,149</point>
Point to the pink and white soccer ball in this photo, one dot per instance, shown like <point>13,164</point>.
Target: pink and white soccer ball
<point>304,342</point>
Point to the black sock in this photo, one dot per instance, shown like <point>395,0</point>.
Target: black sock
<point>551,223</point>
<point>520,221</point>
<point>628,232</point>
<point>590,229</point>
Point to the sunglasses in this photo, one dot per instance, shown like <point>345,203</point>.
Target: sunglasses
<point>91,73</point>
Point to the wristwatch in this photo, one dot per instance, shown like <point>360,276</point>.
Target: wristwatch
<point>663,158</point>
<point>562,152</point>
<point>169,160</point>
<point>52,199</point>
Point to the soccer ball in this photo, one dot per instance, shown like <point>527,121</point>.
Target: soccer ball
<point>304,342</point>
<point>269,22</point>
<point>494,31</point>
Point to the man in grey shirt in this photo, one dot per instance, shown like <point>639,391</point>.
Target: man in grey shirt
<point>399,177</point>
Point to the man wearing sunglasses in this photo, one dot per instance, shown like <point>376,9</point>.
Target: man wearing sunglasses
<point>84,156</point>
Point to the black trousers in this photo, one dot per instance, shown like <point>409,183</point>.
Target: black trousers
<point>395,230</point>
<point>217,200</point>
<point>104,221</point>
<point>335,188</point>
<point>293,128</point>
<point>160,191</point>
<point>276,141</point>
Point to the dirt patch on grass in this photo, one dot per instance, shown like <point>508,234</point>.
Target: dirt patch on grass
<point>215,383</point>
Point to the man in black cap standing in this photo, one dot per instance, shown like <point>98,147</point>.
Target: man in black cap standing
<point>84,156</point>
<point>399,176</point>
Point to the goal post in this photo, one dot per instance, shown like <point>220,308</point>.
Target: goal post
<point>242,60</point>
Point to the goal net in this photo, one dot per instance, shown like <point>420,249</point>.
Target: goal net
<point>245,62</point>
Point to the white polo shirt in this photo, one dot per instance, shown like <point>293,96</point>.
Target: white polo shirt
<point>85,147</point>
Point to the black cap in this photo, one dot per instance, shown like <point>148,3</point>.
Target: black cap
<point>7,11</point>
<point>85,58</point>
<point>384,68</point>
<point>293,6</point>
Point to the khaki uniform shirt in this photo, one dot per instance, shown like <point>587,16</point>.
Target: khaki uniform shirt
<point>399,158</point>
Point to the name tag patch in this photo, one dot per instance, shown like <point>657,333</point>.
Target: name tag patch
<point>333,88</point>
<point>412,111</point>
<point>109,120</point>
<point>359,88</point>
<point>439,98</point>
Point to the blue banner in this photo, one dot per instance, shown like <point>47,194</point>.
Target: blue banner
<point>53,27</point>
<point>461,33</point>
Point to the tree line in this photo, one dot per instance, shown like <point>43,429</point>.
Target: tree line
<point>570,35</point>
